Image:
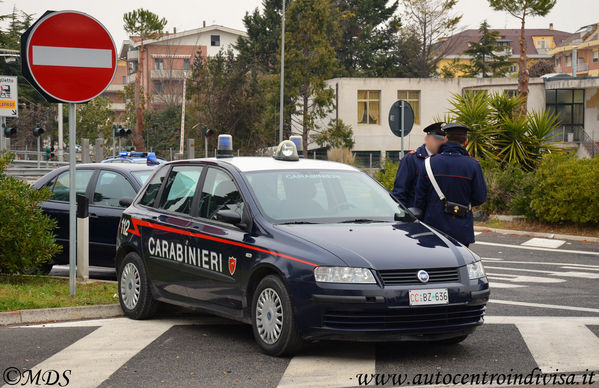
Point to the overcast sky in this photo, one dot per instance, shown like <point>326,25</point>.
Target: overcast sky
<point>567,15</point>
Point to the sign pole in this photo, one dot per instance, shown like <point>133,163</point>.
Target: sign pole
<point>60,134</point>
<point>183,116</point>
<point>402,129</point>
<point>2,133</point>
<point>72,202</point>
<point>39,152</point>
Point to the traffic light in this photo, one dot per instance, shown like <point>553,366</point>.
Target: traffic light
<point>49,152</point>
<point>129,148</point>
<point>207,131</point>
<point>38,130</point>
<point>120,131</point>
<point>9,132</point>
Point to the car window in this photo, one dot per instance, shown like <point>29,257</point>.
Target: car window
<point>180,188</point>
<point>142,176</point>
<point>60,191</point>
<point>110,188</point>
<point>321,196</point>
<point>153,187</point>
<point>219,192</point>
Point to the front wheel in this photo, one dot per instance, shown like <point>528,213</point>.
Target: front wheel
<point>134,289</point>
<point>273,322</point>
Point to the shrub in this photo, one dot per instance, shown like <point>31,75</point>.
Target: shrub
<point>26,238</point>
<point>564,189</point>
<point>508,188</point>
<point>386,176</point>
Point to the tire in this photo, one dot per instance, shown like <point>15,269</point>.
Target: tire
<point>271,299</point>
<point>135,295</point>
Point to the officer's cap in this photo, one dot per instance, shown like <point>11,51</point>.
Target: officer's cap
<point>436,130</point>
<point>455,127</point>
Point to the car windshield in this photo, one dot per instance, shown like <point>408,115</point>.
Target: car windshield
<point>323,196</point>
<point>143,175</point>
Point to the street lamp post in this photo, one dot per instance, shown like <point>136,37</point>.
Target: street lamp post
<point>282,73</point>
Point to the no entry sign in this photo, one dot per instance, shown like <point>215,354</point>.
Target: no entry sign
<point>68,56</point>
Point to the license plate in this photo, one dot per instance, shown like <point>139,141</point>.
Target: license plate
<point>430,296</point>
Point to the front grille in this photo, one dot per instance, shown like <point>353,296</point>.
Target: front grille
<point>407,319</point>
<point>396,277</point>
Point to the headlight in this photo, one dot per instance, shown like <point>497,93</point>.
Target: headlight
<point>476,270</point>
<point>343,275</point>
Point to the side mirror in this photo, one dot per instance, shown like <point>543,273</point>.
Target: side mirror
<point>403,217</point>
<point>228,216</point>
<point>125,202</point>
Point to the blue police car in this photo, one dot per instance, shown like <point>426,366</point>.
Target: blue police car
<point>148,158</point>
<point>300,249</point>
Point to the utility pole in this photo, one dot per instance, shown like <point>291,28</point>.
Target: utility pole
<point>282,73</point>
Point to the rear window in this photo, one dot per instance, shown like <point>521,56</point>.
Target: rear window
<point>142,176</point>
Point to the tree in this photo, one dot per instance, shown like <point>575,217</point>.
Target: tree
<point>520,9</point>
<point>486,56</point>
<point>429,21</point>
<point>310,60</point>
<point>540,68</point>
<point>337,135</point>
<point>143,25</point>
<point>230,99</point>
<point>95,119</point>
<point>369,33</point>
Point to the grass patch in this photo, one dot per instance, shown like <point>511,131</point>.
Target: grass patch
<point>537,226</point>
<point>19,292</point>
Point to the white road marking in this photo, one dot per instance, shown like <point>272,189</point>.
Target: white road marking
<point>570,274</point>
<point>332,367</point>
<point>72,57</point>
<point>494,284</point>
<point>563,343</point>
<point>523,279</point>
<point>537,248</point>
<point>544,305</point>
<point>563,265</point>
<point>544,243</point>
<point>99,354</point>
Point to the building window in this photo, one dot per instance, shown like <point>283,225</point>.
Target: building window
<point>159,64</point>
<point>186,64</point>
<point>214,40</point>
<point>158,87</point>
<point>569,60</point>
<point>369,102</point>
<point>124,80</point>
<point>363,159</point>
<point>568,105</point>
<point>596,55</point>
<point>413,98</point>
<point>580,60</point>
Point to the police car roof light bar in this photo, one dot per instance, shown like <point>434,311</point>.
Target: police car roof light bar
<point>225,146</point>
<point>297,140</point>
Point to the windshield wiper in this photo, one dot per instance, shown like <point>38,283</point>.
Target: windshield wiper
<point>297,223</point>
<point>359,221</point>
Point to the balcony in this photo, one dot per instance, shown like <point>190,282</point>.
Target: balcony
<point>558,69</point>
<point>117,106</point>
<point>132,55</point>
<point>115,88</point>
<point>168,74</point>
<point>582,67</point>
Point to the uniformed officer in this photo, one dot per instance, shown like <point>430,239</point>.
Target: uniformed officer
<point>413,164</point>
<point>460,180</point>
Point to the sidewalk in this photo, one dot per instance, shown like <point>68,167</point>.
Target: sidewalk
<point>556,236</point>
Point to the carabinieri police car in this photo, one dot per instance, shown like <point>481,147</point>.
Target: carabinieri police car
<point>300,249</point>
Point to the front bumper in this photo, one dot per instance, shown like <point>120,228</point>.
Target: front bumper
<point>375,313</point>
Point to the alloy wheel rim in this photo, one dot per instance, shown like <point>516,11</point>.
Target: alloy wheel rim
<point>269,316</point>
<point>130,286</point>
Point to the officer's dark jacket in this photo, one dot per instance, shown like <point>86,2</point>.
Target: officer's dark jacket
<point>461,180</point>
<point>410,167</point>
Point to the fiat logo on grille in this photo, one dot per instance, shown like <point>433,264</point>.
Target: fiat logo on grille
<point>423,276</point>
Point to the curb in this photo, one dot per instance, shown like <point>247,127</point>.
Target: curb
<point>538,234</point>
<point>75,313</point>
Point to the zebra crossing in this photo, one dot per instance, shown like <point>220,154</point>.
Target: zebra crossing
<point>566,344</point>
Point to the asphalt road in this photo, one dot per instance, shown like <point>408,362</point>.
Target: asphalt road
<point>544,313</point>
